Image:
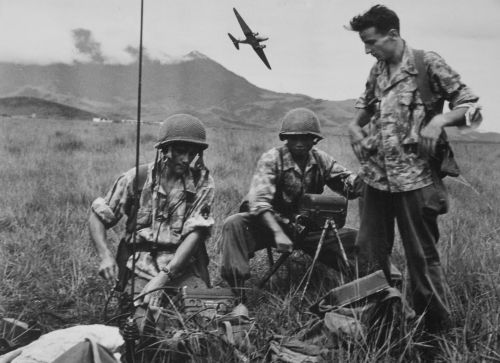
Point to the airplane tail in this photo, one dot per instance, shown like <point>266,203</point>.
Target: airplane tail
<point>234,40</point>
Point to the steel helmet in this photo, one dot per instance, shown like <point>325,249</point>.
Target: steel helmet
<point>300,121</point>
<point>184,128</point>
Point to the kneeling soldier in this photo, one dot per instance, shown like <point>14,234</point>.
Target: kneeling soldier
<point>173,219</point>
<point>284,174</point>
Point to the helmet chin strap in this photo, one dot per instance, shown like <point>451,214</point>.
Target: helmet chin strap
<point>199,162</point>
<point>164,156</point>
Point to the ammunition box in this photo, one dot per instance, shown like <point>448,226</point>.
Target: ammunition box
<point>206,302</point>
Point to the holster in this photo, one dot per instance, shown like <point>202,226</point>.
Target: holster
<point>443,162</point>
<point>122,255</point>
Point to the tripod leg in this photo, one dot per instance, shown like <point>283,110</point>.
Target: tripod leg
<point>341,246</point>
<point>326,226</point>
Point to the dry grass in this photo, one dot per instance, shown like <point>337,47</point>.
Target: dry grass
<point>52,170</point>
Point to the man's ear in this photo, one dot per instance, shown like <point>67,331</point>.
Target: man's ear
<point>393,33</point>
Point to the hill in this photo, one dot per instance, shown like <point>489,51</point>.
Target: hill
<point>35,107</point>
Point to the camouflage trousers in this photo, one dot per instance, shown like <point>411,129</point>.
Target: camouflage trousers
<point>243,234</point>
<point>416,215</point>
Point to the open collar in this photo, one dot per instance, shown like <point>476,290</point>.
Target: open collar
<point>187,180</point>
<point>289,163</point>
<point>406,69</point>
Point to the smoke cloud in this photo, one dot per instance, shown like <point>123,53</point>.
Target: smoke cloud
<point>87,45</point>
<point>134,52</point>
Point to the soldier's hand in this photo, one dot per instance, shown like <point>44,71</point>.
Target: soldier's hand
<point>150,292</point>
<point>108,269</point>
<point>356,136</point>
<point>283,243</point>
<point>429,135</point>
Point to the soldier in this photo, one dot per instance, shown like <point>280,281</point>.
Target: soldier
<point>398,155</point>
<point>283,175</point>
<point>173,219</point>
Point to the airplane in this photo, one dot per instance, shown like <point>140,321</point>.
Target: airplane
<point>250,38</point>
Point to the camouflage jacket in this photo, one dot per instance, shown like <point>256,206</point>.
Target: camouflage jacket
<point>167,212</point>
<point>278,182</point>
<point>398,113</point>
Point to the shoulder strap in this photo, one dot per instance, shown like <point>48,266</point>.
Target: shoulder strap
<point>424,85</point>
<point>280,176</point>
<point>422,79</point>
<point>320,175</point>
<point>143,174</point>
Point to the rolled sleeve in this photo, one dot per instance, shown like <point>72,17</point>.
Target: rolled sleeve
<point>117,201</point>
<point>473,116</point>
<point>105,214</point>
<point>263,185</point>
<point>338,178</point>
<point>447,83</point>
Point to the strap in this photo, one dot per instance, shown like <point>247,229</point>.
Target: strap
<point>422,79</point>
<point>319,177</point>
<point>424,85</point>
<point>143,173</point>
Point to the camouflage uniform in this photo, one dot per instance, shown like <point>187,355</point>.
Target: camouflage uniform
<point>166,215</point>
<point>277,185</point>
<point>398,113</point>
<point>400,183</point>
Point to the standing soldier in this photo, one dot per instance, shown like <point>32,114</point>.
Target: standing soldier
<point>282,176</point>
<point>400,161</point>
<point>173,222</point>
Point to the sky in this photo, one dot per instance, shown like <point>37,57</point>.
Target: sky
<point>309,49</point>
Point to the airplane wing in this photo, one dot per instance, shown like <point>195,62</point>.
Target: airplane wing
<point>262,55</point>
<point>246,29</point>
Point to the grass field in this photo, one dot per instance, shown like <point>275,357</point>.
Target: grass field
<point>52,170</point>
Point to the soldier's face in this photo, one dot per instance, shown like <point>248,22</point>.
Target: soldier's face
<point>381,46</point>
<point>182,155</point>
<point>300,145</point>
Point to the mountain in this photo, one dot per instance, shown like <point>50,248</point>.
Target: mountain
<point>193,84</point>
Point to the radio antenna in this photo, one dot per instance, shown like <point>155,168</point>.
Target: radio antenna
<point>137,152</point>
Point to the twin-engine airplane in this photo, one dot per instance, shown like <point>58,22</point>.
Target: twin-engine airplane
<point>250,38</point>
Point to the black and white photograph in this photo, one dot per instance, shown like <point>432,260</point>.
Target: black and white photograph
<point>249,181</point>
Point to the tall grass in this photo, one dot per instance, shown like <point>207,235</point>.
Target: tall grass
<point>52,170</point>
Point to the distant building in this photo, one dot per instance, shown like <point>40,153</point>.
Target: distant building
<point>101,120</point>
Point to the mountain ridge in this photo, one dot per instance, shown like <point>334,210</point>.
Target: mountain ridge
<point>191,83</point>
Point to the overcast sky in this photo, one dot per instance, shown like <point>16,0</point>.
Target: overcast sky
<point>309,50</point>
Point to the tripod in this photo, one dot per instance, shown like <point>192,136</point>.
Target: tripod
<point>328,226</point>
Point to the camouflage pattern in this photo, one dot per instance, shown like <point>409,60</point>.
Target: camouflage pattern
<point>398,114</point>
<point>167,213</point>
<point>278,182</point>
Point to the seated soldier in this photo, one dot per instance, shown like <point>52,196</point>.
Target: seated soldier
<point>283,175</point>
<point>173,220</point>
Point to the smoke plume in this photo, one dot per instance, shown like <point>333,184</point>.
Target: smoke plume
<point>87,45</point>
